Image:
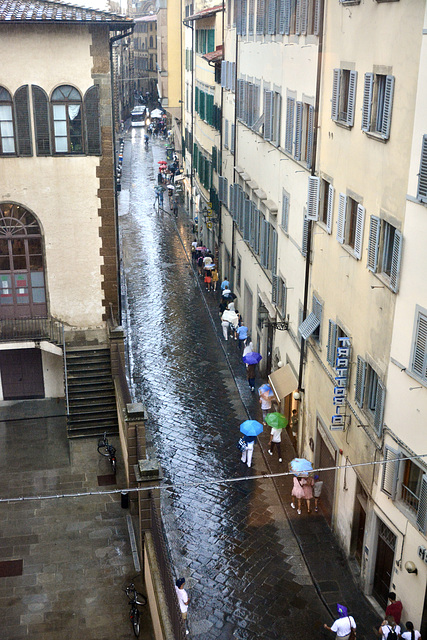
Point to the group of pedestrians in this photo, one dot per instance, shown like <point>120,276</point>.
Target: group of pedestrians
<point>306,488</point>
<point>204,261</point>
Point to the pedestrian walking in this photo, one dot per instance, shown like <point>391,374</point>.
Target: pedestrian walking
<point>317,490</point>
<point>183,598</point>
<point>294,422</point>
<point>243,334</point>
<point>248,348</point>
<point>225,284</point>
<point>215,279</point>
<point>394,608</point>
<point>389,629</point>
<point>302,489</point>
<point>410,633</point>
<point>265,403</point>
<point>249,451</point>
<point>275,441</point>
<point>175,206</point>
<point>308,491</point>
<point>200,265</point>
<point>208,281</point>
<point>250,375</point>
<point>228,319</point>
<point>344,627</point>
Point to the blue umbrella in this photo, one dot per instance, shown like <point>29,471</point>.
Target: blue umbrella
<point>252,358</point>
<point>251,428</point>
<point>300,466</point>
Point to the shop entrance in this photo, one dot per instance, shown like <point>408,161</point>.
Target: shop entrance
<point>383,564</point>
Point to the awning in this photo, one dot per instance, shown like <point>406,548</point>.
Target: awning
<point>283,382</point>
<point>214,56</point>
<point>204,13</point>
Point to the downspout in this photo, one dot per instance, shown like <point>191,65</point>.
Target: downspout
<point>116,209</point>
<point>220,132</point>
<point>313,171</point>
<point>191,26</point>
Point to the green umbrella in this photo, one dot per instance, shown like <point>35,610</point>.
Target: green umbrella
<point>276,420</point>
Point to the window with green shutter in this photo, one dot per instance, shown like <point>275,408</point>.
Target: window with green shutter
<point>22,119</point>
<point>210,40</point>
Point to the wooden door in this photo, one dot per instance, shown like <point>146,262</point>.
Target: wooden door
<point>21,374</point>
<point>384,564</point>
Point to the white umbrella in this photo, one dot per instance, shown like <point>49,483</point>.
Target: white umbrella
<point>156,113</point>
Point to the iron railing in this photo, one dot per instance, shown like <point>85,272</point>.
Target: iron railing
<point>410,498</point>
<point>17,329</point>
<point>166,573</point>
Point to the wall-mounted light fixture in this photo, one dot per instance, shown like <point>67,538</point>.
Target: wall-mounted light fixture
<point>410,567</point>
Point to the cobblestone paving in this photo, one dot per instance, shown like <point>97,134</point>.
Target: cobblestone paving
<point>245,575</point>
<point>75,551</point>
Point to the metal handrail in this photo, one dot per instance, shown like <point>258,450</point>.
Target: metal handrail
<point>22,329</point>
<point>64,355</point>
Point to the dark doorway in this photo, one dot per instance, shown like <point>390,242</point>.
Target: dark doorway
<point>21,374</point>
<point>359,521</point>
<point>423,629</point>
<point>328,490</point>
<point>383,564</point>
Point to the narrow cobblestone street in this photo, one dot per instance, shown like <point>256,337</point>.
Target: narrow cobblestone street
<point>245,574</point>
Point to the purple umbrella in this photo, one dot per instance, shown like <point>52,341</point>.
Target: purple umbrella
<point>252,358</point>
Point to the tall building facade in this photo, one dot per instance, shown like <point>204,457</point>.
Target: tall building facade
<point>322,187</point>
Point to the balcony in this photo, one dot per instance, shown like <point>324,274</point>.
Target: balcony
<point>22,329</point>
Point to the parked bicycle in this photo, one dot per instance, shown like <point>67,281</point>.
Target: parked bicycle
<point>106,449</point>
<point>135,599</point>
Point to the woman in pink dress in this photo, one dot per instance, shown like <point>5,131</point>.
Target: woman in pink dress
<point>303,488</point>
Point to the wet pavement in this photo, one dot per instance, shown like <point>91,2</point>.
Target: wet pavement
<point>72,556</point>
<point>246,575</point>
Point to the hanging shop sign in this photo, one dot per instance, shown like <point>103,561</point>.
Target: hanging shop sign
<point>342,367</point>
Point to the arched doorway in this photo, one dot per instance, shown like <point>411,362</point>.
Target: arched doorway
<point>22,282</point>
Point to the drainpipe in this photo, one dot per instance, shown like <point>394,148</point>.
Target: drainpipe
<point>187,23</point>
<point>313,171</point>
<point>116,212</point>
<point>220,134</point>
<point>233,237</point>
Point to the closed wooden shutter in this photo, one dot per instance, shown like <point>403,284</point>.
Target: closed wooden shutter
<point>289,133</point>
<point>351,98</point>
<point>379,408</point>
<point>318,10</point>
<point>224,65</point>
<point>388,104</point>
<point>225,192</point>
<point>359,391</point>
<point>93,125</point>
<point>238,6</point>
<point>251,16</point>
<point>281,18</point>
<point>303,16</point>
<point>271,17</point>
<point>305,226</point>
<point>41,121</point>
<point>422,176</point>
<point>221,188</point>
<point>342,207</point>
<point>419,351</point>
<point>367,101</point>
<point>374,239</point>
<point>244,16</point>
<point>310,137</point>
<point>22,121</point>
<point>395,261</point>
<point>298,17</point>
<point>226,134</point>
<point>260,17</point>
<point>422,506</point>
<point>335,94</point>
<point>313,198</point>
<point>274,242</point>
<point>268,114</point>
<point>275,289</point>
<point>298,131</point>
<point>390,473</point>
<point>330,208</point>
<point>332,341</point>
<point>247,220</point>
<point>358,238</point>
<point>232,136</point>
<point>285,210</point>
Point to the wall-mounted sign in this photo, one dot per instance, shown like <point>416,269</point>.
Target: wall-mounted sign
<point>342,362</point>
<point>422,553</point>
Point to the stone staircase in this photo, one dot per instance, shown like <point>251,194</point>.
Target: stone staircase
<point>92,402</point>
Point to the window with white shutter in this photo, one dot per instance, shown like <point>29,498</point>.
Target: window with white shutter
<point>342,207</point>
<point>313,198</point>
<point>326,205</point>
<point>305,227</point>
<point>419,346</point>
<point>317,308</point>
<point>422,508</point>
<point>281,304</point>
<point>384,251</point>
<point>260,17</point>
<point>298,131</point>
<point>332,343</point>
<point>258,226</point>
<point>226,134</point>
<point>285,211</point>
<point>224,66</point>
<point>232,137</point>
<point>289,133</point>
<point>343,96</point>
<point>268,114</point>
<point>251,17</point>
<point>309,326</point>
<point>390,475</point>
<point>422,175</point>
<point>377,104</point>
<point>275,289</point>
<point>271,17</point>
<point>273,250</point>
<point>359,391</point>
<point>358,233</point>
<point>373,244</point>
<point>247,219</point>
<point>350,224</point>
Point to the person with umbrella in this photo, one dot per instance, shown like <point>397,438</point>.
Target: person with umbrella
<point>251,360</point>
<point>266,396</point>
<point>303,484</point>
<point>250,429</point>
<point>277,422</point>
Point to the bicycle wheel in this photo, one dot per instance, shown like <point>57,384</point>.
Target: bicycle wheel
<point>134,616</point>
<point>103,448</point>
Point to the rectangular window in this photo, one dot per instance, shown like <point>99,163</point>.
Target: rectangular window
<point>7,140</point>
<point>285,211</point>
<point>419,346</point>
<point>282,298</point>
<point>370,393</point>
<point>384,251</point>
<point>377,104</point>
<point>343,96</point>
<point>289,133</point>
<point>351,219</point>
<point>303,142</point>
<point>327,192</point>
<point>272,116</point>
<point>317,308</point>
<point>411,485</point>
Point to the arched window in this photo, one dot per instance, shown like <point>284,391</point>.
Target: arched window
<point>22,285</point>
<point>7,136</point>
<point>67,120</point>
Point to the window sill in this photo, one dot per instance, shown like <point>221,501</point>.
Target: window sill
<point>376,136</point>
<point>382,277</point>
<point>323,226</point>
<point>343,124</point>
<point>349,250</point>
